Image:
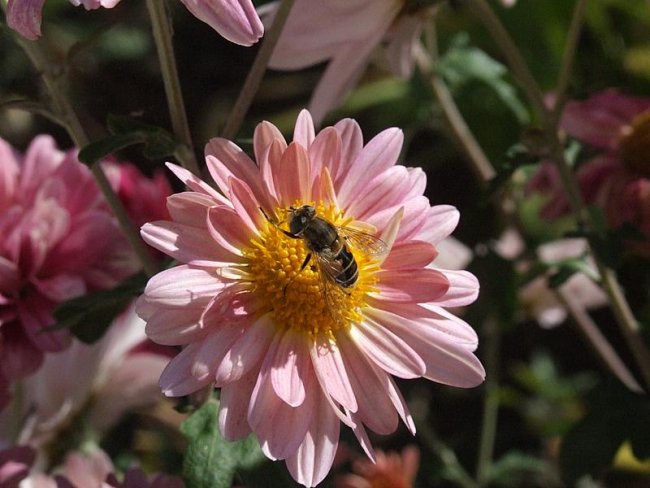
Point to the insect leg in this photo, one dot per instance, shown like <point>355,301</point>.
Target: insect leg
<point>302,266</point>
<point>277,226</point>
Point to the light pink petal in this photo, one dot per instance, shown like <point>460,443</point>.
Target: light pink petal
<point>441,220</point>
<point>246,205</point>
<point>212,350</point>
<point>9,171</point>
<point>236,20</point>
<point>403,40</point>
<point>188,244</point>
<point>225,160</point>
<point>388,190</point>
<point>196,184</point>
<point>61,287</point>
<point>388,350</point>
<point>446,360</point>
<point>265,134</point>
<point>279,427</point>
<point>289,363</point>
<point>234,400</point>
<point>325,151</point>
<point>340,76</point>
<point>189,208</point>
<point>377,156</point>
<point>431,315</point>
<point>175,326</point>
<point>177,378</point>
<point>411,285</point>
<point>351,146</point>
<point>304,132</point>
<point>182,286</point>
<point>227,228</point>
<point>246,352</point>
<point>362,436</point>
<point>313,34</point>
<point>410,254</point>
<point>375,408</point>
<point>313,459</point>
<point>291,176</point>
<point>25,16</point>
<point>463,289</point>
<point>330,369</point>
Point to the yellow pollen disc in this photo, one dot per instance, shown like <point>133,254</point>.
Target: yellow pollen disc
<point>297,298</point>
<point>635,144</point>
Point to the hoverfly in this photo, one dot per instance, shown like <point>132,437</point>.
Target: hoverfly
<point>329,245</point>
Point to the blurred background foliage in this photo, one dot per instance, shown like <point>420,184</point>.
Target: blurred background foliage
<point>551,389</point>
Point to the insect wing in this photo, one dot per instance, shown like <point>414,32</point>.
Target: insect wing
<point>369,244</point>
<point>328,271</point>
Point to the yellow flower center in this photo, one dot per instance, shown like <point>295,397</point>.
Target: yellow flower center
<point>635,144</point>
<point>305,299</point>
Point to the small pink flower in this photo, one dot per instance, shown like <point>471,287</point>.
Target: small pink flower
<point>345,32</point>
<point>236,20</point>
<point>619,127</point>
<point>101,381</point>
<point>58,240</point>
<point>293,352</point>
<point>391,470</point>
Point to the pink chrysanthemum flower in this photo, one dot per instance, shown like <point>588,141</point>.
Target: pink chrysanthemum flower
<point>617,178</point>
<point>58,240</point>
<point>236,20</point>
<point>293,352</point>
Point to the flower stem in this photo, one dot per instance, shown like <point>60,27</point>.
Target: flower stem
<point>466,140</point>
<point>624,316</point>
<point>491,400</point>
<point>568,60</point>
<point>162,34</point>
<point>255,75</point>
<point>54,79</point>
<point>598,342</point>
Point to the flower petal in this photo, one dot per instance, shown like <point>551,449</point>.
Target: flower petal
<point>234,400</point>
<point>411,285</point>
<point>291,175</point>
<point>330,369</point>
<point>236,20</point>
<point>25,16</point>
<point>182,286</point>
<point>289,363</point>
<point>387,350</point>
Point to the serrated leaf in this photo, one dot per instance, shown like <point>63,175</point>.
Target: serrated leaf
<point>89,316</point>
<point>210,460</point>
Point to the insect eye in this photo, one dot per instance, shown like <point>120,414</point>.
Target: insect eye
<point>303,220</point>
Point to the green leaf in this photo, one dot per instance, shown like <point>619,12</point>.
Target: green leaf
<point>125,132</point>
<point>210,460</point>
<point>31,107</point>
<point>463,63</point>
<point>98,150</point>
<point>88,317</point>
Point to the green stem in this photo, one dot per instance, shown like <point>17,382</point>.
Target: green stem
<point>162,33</point>
<point>568,60</point>
<point>55,81</point>
<point>459,128</point>
<point>491,347</point>
<point>255,75</point>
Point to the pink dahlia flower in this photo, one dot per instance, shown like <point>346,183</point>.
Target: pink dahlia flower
<point>293,351</point>
<point>58,241</point>
<point>345,32</point>
<point>618,178</point>
<point>236,20</point>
